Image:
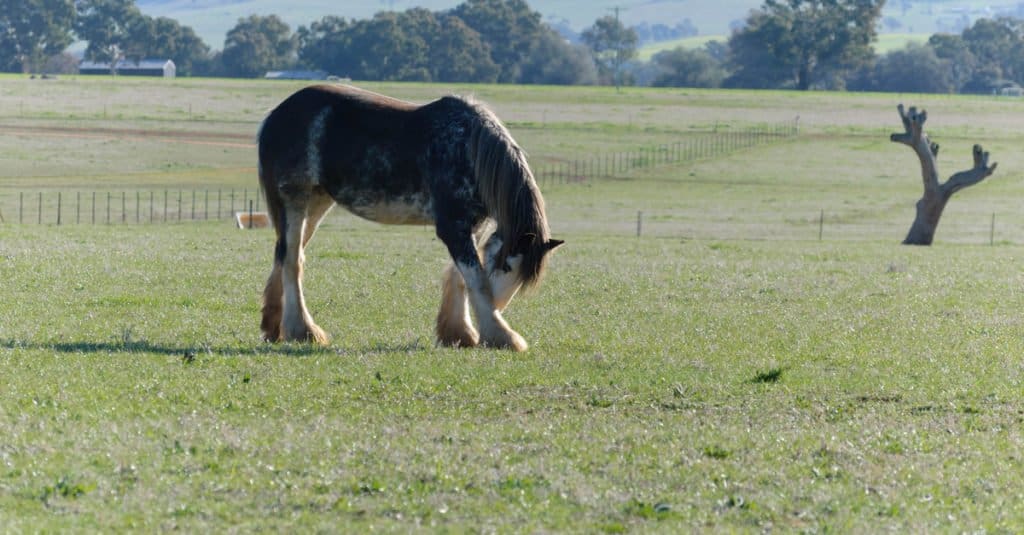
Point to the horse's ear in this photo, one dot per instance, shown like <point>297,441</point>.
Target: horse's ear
<point>551,245</point>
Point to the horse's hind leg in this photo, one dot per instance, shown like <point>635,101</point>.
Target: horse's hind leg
<point>319,204</point>
<point>297,323</point>
<point>274,291</point>
<point>270,323</point>
<point>272,294</point>
<point>454,326</point>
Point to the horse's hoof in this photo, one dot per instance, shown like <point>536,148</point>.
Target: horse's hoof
<point>311,334</point>
<point>510,340</point>
<point>458,342</point>
<point>318,336</point>
<point>461,336</point>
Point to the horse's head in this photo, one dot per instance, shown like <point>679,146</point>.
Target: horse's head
<point>508,269</point>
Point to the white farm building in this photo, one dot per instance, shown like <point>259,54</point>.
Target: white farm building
<point>147,67</point>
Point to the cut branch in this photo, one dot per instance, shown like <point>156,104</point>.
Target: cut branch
<point>936,195</point>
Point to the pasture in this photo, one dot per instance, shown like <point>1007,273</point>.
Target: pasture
<point>725,371</point>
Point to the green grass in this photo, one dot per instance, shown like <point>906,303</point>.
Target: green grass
<point>737,385</point>
<point>726,371</point>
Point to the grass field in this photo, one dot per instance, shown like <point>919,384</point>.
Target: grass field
<point>726,371</point>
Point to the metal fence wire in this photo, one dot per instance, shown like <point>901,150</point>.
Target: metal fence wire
<point>109,207</point>
<point>699,147</point>
<point>125,207</point>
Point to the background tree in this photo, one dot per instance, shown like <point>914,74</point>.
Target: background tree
<point>612,45</point>
<point>390,47</point>
<point>953,50</point>
<point>162,38</point>
<point>915,69</point>
<point>509,28</point>
<point>107,26</point>
<point>800,43</point>
<point>555,61</point>
<point>438,46</point>
<point>256,45</point>
<point>33,30</point>
<point>997,45</point>
<point>324,45</point>
<point>680,67</point>
<point>459,54</point>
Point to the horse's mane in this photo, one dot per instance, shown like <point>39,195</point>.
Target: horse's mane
<point>508,190</point>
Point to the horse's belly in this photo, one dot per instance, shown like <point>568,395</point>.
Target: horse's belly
<point>413,210</point>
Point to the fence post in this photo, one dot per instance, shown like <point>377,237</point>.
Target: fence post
<point>58,207</point>
<point>821,223</point>
<point>250,215</point>
<point>124,207</point>
<point>78,207</point>
<point>992,231</point>
<point>108,207</point>
<point>164,218</point>
<point>639,222</point>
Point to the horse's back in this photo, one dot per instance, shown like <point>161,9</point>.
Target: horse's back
<point>355,108</point>
<point>364,149</point>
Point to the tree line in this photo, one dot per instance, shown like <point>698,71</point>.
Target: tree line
<point>795,44</point>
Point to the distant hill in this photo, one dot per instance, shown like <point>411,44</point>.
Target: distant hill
<point>887,42</point>
<point>213,18</point>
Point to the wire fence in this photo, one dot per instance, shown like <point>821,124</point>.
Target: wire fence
<point>972,226</point>
<point>124,207</point>
<point>717,142</point>
<point>149,206</point>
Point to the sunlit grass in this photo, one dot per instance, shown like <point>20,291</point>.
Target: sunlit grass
<point>723,371</point>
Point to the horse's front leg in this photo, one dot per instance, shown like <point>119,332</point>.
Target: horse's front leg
<point>494,331</point>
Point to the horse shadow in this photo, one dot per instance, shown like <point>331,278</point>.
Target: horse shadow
<point>188,352</point>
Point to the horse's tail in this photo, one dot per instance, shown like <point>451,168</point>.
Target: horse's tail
<point>510,194</point>
<point>275,205</point>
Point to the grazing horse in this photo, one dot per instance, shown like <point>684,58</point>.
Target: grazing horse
<point>450,163</point>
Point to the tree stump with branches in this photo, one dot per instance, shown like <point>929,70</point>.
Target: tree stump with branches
<point>936,195</point>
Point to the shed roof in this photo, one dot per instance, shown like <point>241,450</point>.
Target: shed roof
<point>127,65</point>
<point>296,75</point>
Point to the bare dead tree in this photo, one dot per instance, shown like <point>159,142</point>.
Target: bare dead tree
<point>931,204</point>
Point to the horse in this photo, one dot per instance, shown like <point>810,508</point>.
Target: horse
<point>450,163</point>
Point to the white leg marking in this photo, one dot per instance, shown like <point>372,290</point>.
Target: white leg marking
<point>294,305</point>
<point>316,134</point>
<point>494,331</point>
